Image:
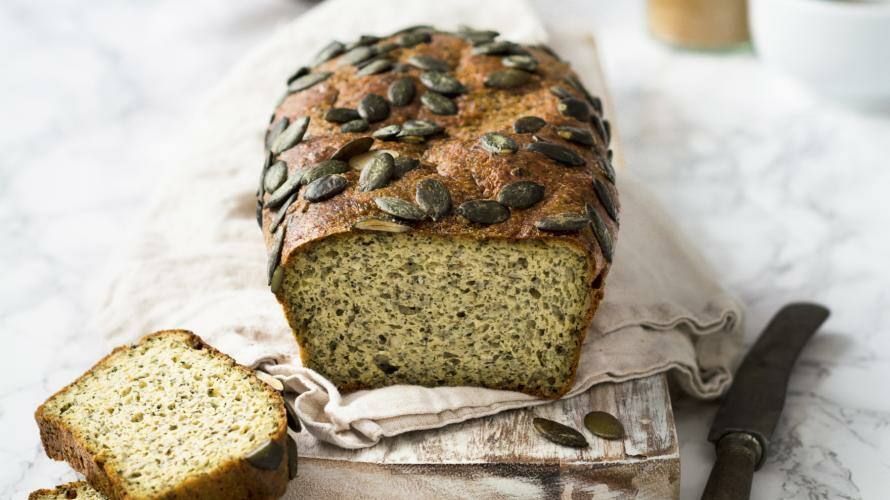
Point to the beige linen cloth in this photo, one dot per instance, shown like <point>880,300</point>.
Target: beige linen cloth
<point>198,261</point>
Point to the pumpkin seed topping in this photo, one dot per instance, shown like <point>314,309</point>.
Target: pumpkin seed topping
<point>363,40</point>
<point>401,92</point>
<point>388,132</point>
<point>438,104</point>
<point>355,126</point>
<point>400,208</point>
<point>324,188</point>
<point>476,37</point>
<point>301,71</point>
<point>600,231</point>
<point>429,63</point>
<point>559,433</point>
<point>561,92</point>
<point>380,224</point>
<point>606,168</point>
<point>528,125</point>
<point>266,456</point>
<point>442,83</point>
<point>595,102</point>
<point>574,108</point>
<point>356,56</point>
<point>306,81</point>
<point>376,173</point>
<point>421,128</point>
<point>353,148</point>
<point>277,279</point>
<point>565,222</point>
<point>259,213</point>
<point>604,425</point>
<point>403,165</point>
<point>275,253</point>
<point>432,196</point>
<point>483,211</point>
<point>575,134</point>
<point>521,194</point>
<point>327,53</point>
<point>324,168</point>
<point>359,162</point>
<point>412,39</point>
<point>275,176</point>
<point>341,115</point>
<point>292,135</point>
<point>282,212</point>
<point>605,197</point>
<point>520,61</point>
<point>495,48</point>
<point>556,153</point>
<point>284,191</point>
<point>373,108</point>
<point>507,79</point>
<point>378,66</point>
<point>546,48</point>
<point>498,144</point>
<point>276,130</point>
<point>411,139</point>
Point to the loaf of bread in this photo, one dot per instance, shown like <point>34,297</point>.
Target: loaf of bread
<point>439,209</point>
<point>80,490</point>
<point>170,417</point>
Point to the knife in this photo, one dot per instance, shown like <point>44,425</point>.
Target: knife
<point>745,421</point>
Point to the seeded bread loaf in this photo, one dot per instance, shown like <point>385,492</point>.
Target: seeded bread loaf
<point>170,417</point>
<point>80,490</point>
<point>440,209</point>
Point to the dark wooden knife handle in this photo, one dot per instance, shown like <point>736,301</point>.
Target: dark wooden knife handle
<point>737,455</point>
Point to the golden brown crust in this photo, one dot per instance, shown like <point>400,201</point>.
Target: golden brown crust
<point>456,158</point>
<point>234,480</point>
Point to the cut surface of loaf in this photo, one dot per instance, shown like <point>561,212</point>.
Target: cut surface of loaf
<point>80,490</point>
<point>170,417</point>
<point>440,209</point>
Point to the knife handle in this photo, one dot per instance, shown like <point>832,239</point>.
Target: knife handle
<point>737,455</point>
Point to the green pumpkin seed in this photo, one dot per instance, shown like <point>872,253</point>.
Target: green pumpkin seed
<point>378,66</point>
<point>259,213</point>
<point>356,56</point>
<point>292,135</point>
<point>301,71</point>
<point>528,125</point>
<point>605,197</point>
<point>575,134</point>
<point>574,108</point>
<point>266,164</point>
<point>606,169</point>
<point>559,433</point>
<point>291,457</point>
<point>403,165</point>
<point>323,168</point>
<point>520,61</point>
<point>561,92</point>
<point>266,456</point>
<point>282,213</point>
<point>556,153</point>
<point>595,102</point>
<point>353,148</point>
<point>388,132</point>
<point>600,231</point>
<point>306,81</point>
<point>327,53</point>
<point>401,92</point>
<point>399,208</point>
<point>476,37</point>
<point>275,253</point>
<point>411,139</point>
<point>275,176</point>
<point>380,224</point>
<point>546,48</point>
<point>495,48</point>
<point>429,63</point>
<point>422,128</point>
<point>604,425</point>
<point>341,115</point>
<point>284,191</point>
<point>498,144</point>
<point>600,128</point>
<point>400,67</point>
<point>412,28</point>
<point>276,130</point>
<point>376,173</point>
<point>442,83</point>
<point>363,41</point>
<point>607,127</point>
<point>432,196</point>
<point>521,194</point>
<point>324,188</point>
<point>483,211</point>
<point>277,279</point>
<point>373,108</point>
<point>438,104</point>
<point>565,222</point>
<point>507,79</point>
<point>412,39</point>
<point>355,126</point>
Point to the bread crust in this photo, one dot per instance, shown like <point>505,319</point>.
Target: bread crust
<point>455,158</point>
<point>236,479</point>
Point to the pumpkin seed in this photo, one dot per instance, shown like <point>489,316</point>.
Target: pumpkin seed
<point>282,213</point>
<point>400,67</point>
<point>327,53</point>
<point>341,115</point>
<point>275,253</point>
<point>606,169</point>
<point>291,457</point>
<point>269,380</point>
<point>412,39</point>
<point>412,139</point>
<point>605,197</point>
<point>275,176</point>
<point>574,108</point>
<point>575,134</point>
<point>421,128</point>
<point>546,48</point>
<point>277,279</point>
<point>323,168</point>
<point>438,104</point>
<point>565,222</point>
<point>599,127</point>
<point>432,196</point>
<point>600,231</point>
<point>607,127</point>
<point>301,71</point>
<point>324,188</point>
<point>495,48</point>
<point>429,63</point>
<point>376,173</point>
<point>378,66</point>
<point>259,213</point>
<point>276,130</point>
<point>604,425</point>
<point>559,433</point>
<point>292,135</point>
<point>401,92</point>
<point>388,132</point>
<point>556,153</point>
<point>498,144</point>
<point>266,456</point>
<point>363,41</point>
<point>520,194</point>
<point>476,37</point>
<point>306,81</point>
<point>355,126</point>
<point>400,208</point>
<point>403,165</point>
<point>284,191</point>
<point>561,92</point>
<point>380,224</point>
<point>416,27</point>
<point>359,162</point>
<point>528,125</point>
<point>356,56</point>
<point>442,83</point>
<point>520,61</point>
<point>507,79</point>
<point>609,155</point>
<point>575,83</point>
<point>373,108</point>
<point>483,211</point>
<point>353,148</point>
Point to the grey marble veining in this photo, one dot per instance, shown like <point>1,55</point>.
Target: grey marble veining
<point>785,193</point>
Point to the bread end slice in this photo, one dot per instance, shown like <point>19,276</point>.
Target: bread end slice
<point>78,490</point>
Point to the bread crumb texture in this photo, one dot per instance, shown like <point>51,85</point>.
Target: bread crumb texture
<point>79,490</point>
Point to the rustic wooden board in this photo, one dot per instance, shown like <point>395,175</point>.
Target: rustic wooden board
<point>502,456</point>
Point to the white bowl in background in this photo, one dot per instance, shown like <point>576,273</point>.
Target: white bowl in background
<point>839,47</point>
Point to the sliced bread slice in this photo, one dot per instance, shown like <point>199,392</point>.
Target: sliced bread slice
<point>80,490</point>
<point>170,417</point>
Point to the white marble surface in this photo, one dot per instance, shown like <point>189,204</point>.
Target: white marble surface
<point>787,194</point>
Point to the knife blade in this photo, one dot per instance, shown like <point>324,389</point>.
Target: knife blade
<point>750,410</point>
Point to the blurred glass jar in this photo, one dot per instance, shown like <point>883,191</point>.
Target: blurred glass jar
<point>700,24</point>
